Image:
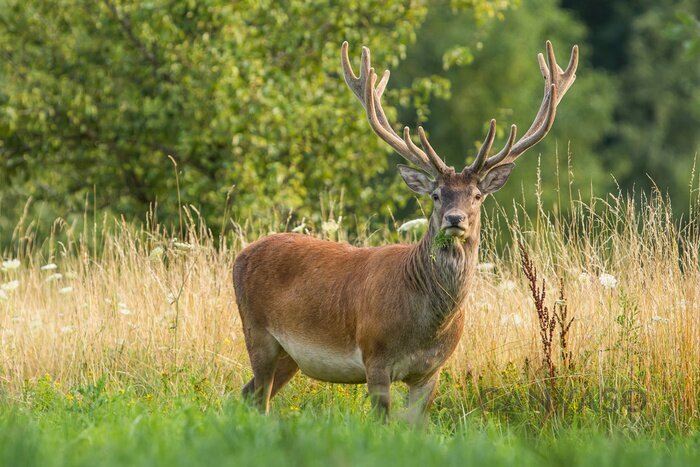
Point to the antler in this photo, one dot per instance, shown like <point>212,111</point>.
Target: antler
<point>370,95</point>
<point>556,83</point>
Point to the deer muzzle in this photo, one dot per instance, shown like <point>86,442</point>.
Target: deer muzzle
<point>454,224</point>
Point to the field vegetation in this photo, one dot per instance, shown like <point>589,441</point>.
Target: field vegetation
<point>144,144</point>
<point>122,344</point>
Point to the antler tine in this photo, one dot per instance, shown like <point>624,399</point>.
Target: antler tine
<point>353,82</point>
<point>418,152</point>
<point>432,155</point>
<point>382,83</point>
<point>484,149</point>
<point>369,95</point>
<point>495,160</point>
<point>539,131</point>
<point>380,125</point>
<point>557,83</point>
<point>562,79</point>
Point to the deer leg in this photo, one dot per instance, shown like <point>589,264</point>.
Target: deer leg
<point>420,397</point>
<point>286,369</point>
<point>379,388</point>
<point>248,389</point>
<point>264,352</point>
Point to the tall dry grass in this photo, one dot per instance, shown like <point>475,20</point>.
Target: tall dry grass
<point>149,307</point>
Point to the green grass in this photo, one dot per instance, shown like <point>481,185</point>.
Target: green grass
<point>96,426</point>
<point>135,356</point>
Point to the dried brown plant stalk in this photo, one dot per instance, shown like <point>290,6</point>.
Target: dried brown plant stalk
<point>561,315</point>
<point>546,321</point>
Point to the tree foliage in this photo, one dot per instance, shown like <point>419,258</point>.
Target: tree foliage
<point>658,125</point>
<point>246,97</point>
<point>649,48</point>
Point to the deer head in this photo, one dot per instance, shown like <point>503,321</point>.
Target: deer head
<point>457,196</point>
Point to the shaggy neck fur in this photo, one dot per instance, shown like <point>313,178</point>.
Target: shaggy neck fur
<point>442,274</point>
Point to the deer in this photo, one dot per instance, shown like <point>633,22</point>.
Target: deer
<point>393,313</point>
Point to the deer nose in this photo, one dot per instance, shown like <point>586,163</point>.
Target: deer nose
<point>454,219</point>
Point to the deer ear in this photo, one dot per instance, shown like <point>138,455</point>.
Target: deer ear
<point>495,179</point>
<point>416,180</point>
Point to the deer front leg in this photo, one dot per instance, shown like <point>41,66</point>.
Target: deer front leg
<point>379,388</point>
<point>420,397</point>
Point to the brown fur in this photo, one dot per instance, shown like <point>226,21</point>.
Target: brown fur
<point>400,305</point>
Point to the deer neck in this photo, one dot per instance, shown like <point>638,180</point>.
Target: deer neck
<point>442,274</point>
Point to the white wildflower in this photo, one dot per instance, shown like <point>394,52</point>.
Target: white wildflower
<point>67,329</point>
<point>183,246</point>
<point>156,253</point>
<point>54,277</point>
<point>330,226</point>
<point>485,267</point>
<point>513,318</point>
<point>65,290</point>
<point>11,264</point>
<point>584,278</point>
<point>299,228</point>
<point>659,319</point>
<point>123,309</point>
<point>9,286</point>
<point>507,285</point>
<point>171,298</point>
<point>3,295</point>
<point>414,224</point>
<point>607,280</point>
<point>49,267</point>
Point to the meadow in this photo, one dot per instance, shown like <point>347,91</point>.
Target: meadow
<point>121,345</point>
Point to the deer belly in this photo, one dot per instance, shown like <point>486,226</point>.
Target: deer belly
<point>325,363</point>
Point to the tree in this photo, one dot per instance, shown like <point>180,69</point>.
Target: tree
<point>651,48</point>
<point>657,126</point>
<point>246,97</point>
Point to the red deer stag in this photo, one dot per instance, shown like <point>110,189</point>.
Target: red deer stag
<point>392,313</point>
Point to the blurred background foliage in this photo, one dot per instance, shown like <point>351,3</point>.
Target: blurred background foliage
<point>247,99</point>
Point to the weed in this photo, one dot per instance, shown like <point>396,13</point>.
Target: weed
<point>546,321</point>
<point>442,241</point>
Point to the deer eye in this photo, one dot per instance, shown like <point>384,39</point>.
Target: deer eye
<point>478,196</point>
<point>435,197</point>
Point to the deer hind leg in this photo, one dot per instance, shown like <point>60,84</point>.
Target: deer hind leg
<point>264,352</point>
<point>286,369</point>
<point>420,397</point>
<point>379,388</point>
